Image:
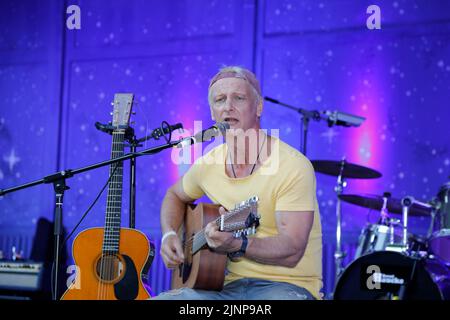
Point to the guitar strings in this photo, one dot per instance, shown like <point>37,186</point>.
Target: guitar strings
<point>106,257</point>
<point>107,262</point>
<point>101,292</point>
<point>111,228</point>
<point>199,238</point>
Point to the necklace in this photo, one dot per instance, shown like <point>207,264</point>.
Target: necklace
<point>257,158</point>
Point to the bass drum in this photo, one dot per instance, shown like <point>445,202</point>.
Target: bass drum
<point>385,275</point>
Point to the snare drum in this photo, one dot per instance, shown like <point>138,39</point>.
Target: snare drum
<point>386,275</point>
<point>439,243</point>
<point>374,237</point>
<point>377,237</point>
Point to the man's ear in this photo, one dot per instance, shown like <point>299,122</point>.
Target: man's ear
<point>259,108</point>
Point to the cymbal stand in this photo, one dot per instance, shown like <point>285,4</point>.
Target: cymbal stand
<point>385,219</point>
<point>339,188</point>
<point>407,202</point>
<point>436,205</point>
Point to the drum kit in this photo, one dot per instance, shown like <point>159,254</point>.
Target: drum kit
<point>390,263</point>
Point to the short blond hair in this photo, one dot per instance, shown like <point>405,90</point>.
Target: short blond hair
<point>240,73</point>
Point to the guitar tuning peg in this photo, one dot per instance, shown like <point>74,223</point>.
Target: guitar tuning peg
<point>112,103</point>
<point>133,112</point>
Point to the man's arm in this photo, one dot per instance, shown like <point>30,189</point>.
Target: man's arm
<point>285,249</point>
<point>172,216</point>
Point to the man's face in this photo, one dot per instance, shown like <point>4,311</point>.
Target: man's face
<point>234,102</point>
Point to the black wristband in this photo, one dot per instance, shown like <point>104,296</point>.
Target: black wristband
<point>242,250</point>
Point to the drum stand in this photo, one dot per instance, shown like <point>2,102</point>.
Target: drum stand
<point>339,188</point>
<point>407,202</point>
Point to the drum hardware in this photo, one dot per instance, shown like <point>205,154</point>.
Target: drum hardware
<point>382,236</point>
<point>342,170</point>
<point>386,220</point>
<point>339,188</point>
<point>394,205</point>
<point>433,218</point>
<point>406,204</point>
<point>392,222</point>
<point>439,240</point>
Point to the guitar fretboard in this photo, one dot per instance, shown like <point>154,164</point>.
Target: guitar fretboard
<point>114,200</point>
<point>199,239</point>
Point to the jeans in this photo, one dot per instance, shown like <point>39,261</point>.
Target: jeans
<point>242,289</point>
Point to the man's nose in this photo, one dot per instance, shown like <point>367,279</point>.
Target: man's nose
<point>229,105</point>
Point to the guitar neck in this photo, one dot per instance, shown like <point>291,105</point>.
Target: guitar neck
<point>114,199</point>
<point>199,239</point>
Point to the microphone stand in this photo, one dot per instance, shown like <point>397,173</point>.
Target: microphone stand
<point>306,115</point>
<point>58,180</point>
<point>332,118</point>
<point>133,144</point>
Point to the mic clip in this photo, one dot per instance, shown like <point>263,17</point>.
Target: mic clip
<point>108,128</point>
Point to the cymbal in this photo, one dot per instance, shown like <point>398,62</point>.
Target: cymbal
<point>349,170</point>
<point>394,205</point>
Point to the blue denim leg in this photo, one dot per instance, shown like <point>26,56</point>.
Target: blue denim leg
<point>257,289</point>
<point>188,294</point>
<point>243,289</point>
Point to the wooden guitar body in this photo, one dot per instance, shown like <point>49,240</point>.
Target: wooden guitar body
<point>205,269</point>
<point>123,279</point>
<point>202,267</point>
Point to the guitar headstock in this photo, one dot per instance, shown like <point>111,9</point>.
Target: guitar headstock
<point>243,218</point>
<point>123,102</point>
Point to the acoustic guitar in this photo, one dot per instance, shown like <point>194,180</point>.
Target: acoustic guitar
<point>203,268</point>
<point>112,261</point>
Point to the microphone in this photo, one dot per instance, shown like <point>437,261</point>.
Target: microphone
<point>159,132</point>
<point>205,135</point>
<point>271,100</point>
<point>343,119</point>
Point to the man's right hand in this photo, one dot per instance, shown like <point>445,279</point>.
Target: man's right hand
<point>172,251</point>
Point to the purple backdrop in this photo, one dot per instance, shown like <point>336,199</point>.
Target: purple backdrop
<point>56,83</point>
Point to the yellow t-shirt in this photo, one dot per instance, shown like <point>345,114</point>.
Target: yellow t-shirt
<point>284,182</point>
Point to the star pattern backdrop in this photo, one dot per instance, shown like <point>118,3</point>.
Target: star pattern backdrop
<point>56,83</point>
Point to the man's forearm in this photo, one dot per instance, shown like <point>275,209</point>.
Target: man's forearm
<point>279,250</point>
<point>172,212</point>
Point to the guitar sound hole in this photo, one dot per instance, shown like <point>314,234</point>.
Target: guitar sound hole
<point>110,268</point>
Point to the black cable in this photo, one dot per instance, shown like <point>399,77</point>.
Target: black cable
<point>78,224</point>
<point>90,207</point>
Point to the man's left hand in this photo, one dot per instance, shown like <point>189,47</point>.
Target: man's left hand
<point>221,241</point>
